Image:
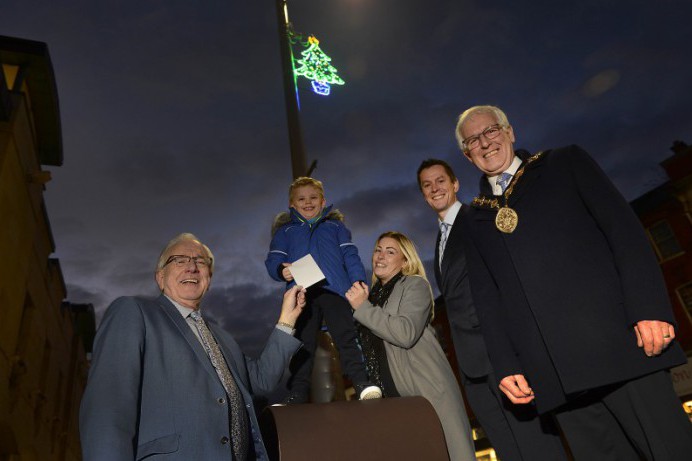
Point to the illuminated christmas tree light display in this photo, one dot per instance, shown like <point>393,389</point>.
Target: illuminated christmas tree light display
<point>316,67</point>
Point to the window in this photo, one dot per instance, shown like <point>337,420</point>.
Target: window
<point>685,295</point>
<point>665,243</point>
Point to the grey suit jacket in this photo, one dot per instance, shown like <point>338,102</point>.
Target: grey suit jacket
<point>152,391</point>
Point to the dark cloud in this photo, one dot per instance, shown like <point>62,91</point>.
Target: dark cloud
<point>78,295</point>
<point>397,208</point>
<point>173,119</point>
<point>247,311</point>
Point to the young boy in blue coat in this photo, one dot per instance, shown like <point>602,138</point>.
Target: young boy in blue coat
<point>311,228</point>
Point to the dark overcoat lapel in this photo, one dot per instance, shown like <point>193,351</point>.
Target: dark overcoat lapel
<point>452,280</point>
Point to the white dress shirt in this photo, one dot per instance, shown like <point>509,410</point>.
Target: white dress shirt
<point>512,169</point>
<point>450,216</point>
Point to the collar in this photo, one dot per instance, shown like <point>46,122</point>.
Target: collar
<point>488,201</point>
<point>184,311</point>
<point>297,217</point>
<point>452,213</point>
<point>512,169</point>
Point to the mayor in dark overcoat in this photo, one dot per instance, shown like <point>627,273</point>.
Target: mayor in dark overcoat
<point>573,305</point>
<point>516,432</point>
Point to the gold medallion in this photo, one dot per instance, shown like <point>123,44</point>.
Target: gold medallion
<point>506,220</point>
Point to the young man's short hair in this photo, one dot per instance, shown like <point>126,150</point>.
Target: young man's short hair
<point>432,162</point>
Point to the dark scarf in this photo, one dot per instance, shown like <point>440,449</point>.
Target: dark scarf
<point>373,346</point>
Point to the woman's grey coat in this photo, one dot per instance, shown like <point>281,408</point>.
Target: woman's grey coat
<point>416,360</point>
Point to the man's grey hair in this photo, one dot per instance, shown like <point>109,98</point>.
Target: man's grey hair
<point>496,112</point>
<point>185,236</point>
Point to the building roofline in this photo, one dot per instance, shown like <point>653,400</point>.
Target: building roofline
<point>34,60</point>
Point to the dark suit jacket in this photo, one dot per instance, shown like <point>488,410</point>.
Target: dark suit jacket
<point>152,391</point>
<point>559,296</point>
<point>453,282</point>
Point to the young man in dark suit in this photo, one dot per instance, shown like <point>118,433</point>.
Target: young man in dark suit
<point>573,304</point>
<point>515,433</point>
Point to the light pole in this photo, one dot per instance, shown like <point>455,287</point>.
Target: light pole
<point>295,136</point>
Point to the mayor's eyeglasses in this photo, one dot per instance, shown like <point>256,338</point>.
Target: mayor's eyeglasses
<point>492,132</point>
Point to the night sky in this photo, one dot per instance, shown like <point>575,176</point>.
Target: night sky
<point>173,119</point>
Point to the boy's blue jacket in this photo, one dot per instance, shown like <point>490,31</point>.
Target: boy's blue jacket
<point>327,240</point>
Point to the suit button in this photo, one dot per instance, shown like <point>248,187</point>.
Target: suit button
<point>224,440</point>
<point>220,400</point>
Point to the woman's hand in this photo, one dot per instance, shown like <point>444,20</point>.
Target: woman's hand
<point>357,294</point>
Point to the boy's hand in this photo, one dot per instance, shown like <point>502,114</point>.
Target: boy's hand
<point>357,294</point>
<point>286,273</point>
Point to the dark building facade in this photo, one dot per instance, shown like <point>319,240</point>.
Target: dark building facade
<point>666,213</point>
<point>43,363</point>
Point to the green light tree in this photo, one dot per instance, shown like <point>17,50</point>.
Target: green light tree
<point>316,67</point>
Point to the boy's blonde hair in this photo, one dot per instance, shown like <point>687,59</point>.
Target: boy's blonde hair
<point>305,181</point>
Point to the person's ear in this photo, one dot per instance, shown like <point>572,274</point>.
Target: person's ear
<point>159,279</point>
<point>510,133</point>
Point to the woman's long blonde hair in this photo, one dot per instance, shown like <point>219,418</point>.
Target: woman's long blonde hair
<point>412,266</point>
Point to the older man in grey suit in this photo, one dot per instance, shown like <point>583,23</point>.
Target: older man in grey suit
<point>165,383</point>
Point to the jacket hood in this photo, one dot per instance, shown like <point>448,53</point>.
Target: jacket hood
<point>292,215</point>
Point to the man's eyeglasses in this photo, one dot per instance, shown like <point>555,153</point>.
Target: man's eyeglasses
<point>182,260</point>
<point>492,132</point>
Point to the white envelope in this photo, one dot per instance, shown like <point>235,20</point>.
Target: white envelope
<point>305,271</point>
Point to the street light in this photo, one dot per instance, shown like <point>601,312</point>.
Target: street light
<point>295,136</point>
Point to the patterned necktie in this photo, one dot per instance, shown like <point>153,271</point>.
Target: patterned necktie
<point>239,418</point>
<point>444,233</point>
<point>503,180</point>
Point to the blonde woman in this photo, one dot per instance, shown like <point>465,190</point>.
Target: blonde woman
<point>402,355</point>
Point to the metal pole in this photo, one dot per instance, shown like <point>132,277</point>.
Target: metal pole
<point>295,136</point>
